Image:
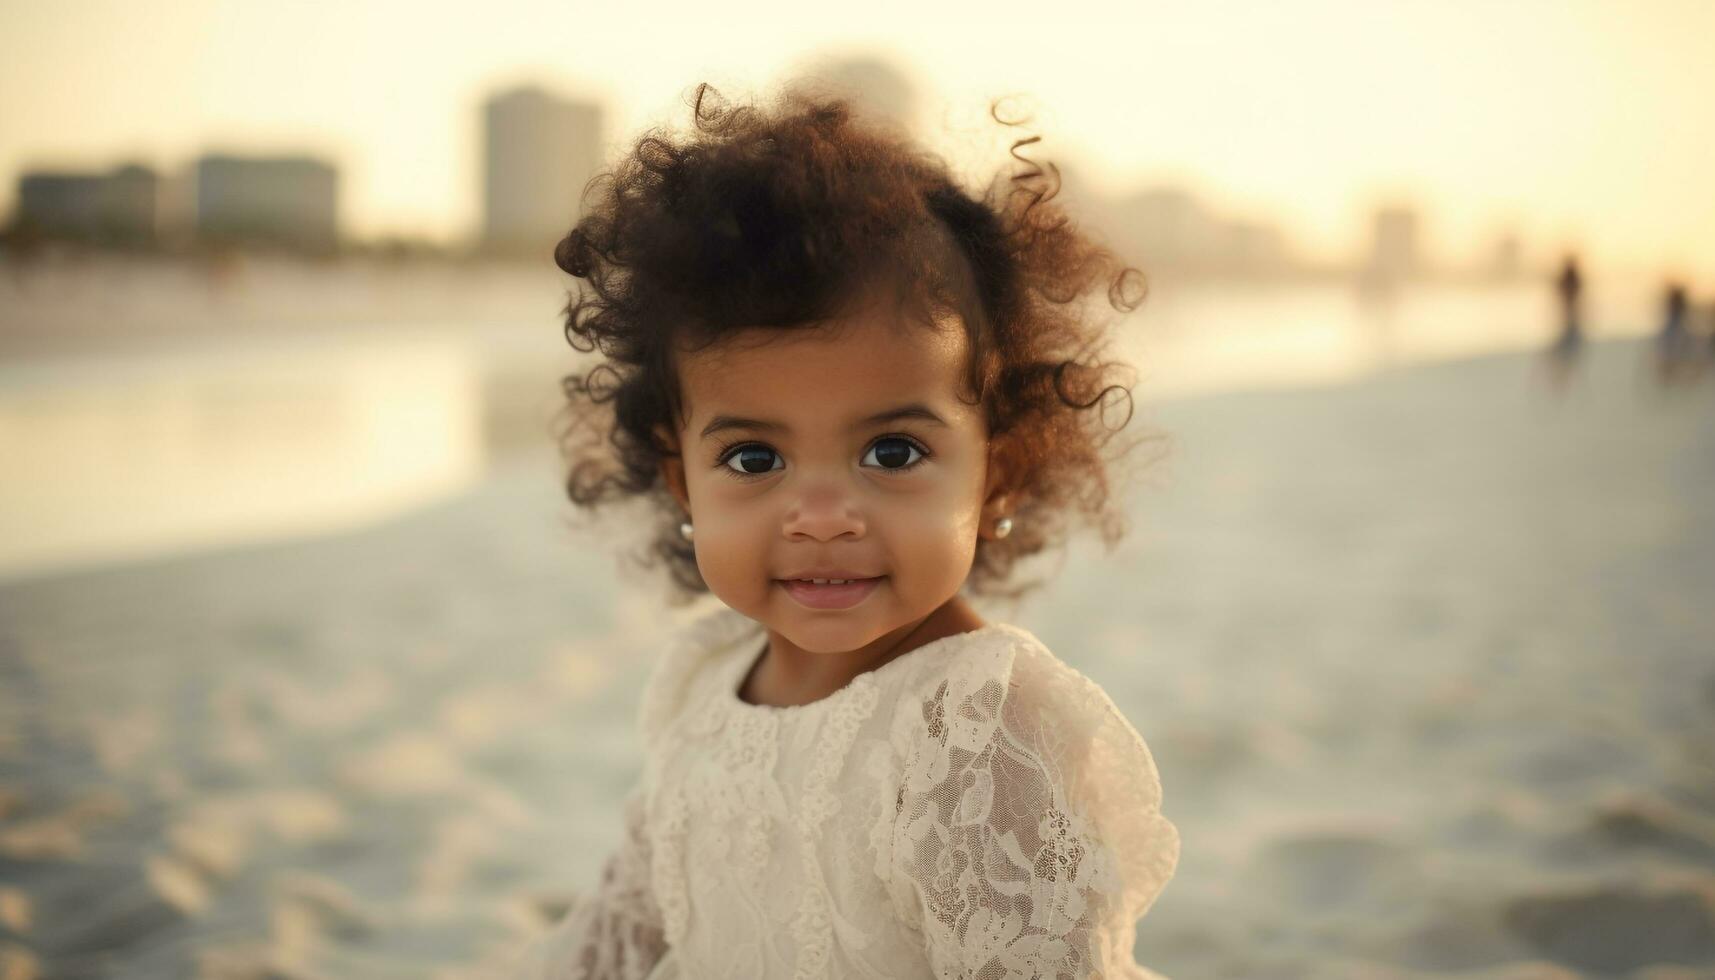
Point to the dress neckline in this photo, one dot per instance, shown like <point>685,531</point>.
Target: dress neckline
<point>741,662</point>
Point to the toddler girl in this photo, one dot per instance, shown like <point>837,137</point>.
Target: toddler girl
<point>854,393</point>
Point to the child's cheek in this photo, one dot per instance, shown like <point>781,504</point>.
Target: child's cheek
<point>736,563</point>
<point>733,551</point>
<point>933,540</point>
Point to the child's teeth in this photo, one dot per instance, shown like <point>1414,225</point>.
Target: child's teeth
<point>830,581</point>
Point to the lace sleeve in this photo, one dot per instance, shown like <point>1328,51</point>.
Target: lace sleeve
<point>615,933</point>
<point>1028,838</point>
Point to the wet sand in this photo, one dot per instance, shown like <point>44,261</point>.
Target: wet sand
<point>1427,661</point>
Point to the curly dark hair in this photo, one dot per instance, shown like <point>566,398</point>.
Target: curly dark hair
<point>785,216</point>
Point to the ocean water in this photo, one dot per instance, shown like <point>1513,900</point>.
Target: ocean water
<point>268,401</point>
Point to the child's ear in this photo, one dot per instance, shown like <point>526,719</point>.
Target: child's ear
<point>673,467</point>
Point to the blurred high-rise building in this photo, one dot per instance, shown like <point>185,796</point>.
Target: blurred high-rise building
<point>288,201</point>
<point>1251,248</point>
<point>1166,227</point>
<point>1170,230</point>
<point>117,208</point>
<point>1506,256</point>
<point>872,84</point>
<point>539,151</point>
<point>1394,252</point>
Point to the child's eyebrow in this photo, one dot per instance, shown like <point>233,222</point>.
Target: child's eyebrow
<point>912,411</point>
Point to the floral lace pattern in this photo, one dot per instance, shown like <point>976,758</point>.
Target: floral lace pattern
<point>975,808</point>
<point>1006,834</point>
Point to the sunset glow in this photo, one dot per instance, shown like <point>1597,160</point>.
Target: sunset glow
<point>1566,123</point>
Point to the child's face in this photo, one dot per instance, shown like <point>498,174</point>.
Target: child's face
<point>812,481</point>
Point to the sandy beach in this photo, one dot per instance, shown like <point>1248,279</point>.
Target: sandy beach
<point>1426,658</point>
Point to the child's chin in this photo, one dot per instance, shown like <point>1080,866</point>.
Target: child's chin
<point>814,631</point>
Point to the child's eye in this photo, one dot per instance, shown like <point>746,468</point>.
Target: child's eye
<point>894,453</point>
<point>752,460</point>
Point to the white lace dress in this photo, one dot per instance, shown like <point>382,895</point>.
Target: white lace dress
<point>973,808</point>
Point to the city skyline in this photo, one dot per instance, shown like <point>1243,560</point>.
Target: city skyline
<point>1559,127</point>
<point>226,201</point>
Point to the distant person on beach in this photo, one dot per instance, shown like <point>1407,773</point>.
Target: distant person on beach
<point>1677,357</point>
<point>1563,354</point>
<point>852,394</point>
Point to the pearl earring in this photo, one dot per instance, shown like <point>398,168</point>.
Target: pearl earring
<point>685,530</point>
<point>1003,527</point>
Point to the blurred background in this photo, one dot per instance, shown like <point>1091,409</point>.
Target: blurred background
<point>307,669</point>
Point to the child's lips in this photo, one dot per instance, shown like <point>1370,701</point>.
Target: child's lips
<point>830,596</point>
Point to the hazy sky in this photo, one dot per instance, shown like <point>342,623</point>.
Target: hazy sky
<point>1572,120</point>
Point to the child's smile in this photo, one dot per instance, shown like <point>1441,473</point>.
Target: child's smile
<point>829,593</point>
<point>831,453</point>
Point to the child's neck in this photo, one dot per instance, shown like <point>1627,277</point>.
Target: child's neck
<point>786,675</point>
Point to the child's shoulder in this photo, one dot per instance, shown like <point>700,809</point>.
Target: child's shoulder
<point>1007,720</point>
<point>1009,668</point>
<point>1003,677</point>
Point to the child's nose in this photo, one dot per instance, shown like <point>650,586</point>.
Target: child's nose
<point>824,512</point>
